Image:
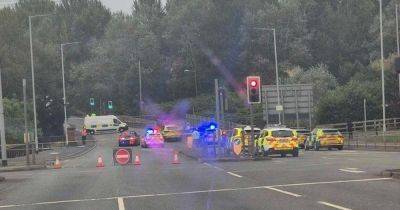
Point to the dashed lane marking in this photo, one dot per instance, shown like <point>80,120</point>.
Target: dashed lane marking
<point>351,170</point>
<point>283,191</point>
<point>233,174</point>
<point>333,205</point>
<point>121,205</point>
<point>194,192</point>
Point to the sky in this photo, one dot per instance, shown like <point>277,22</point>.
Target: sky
<point>119,5</point>
<point>115,5</point>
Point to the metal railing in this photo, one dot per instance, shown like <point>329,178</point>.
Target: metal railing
<point>369,125</point>
<point>373,141</point>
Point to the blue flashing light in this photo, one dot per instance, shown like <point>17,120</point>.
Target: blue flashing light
<point>149,131</point>
<point>212,126</point>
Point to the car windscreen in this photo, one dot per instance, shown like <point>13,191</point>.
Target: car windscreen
<point>303,132</point>
<point>331,132</point>
<point>282,133</point>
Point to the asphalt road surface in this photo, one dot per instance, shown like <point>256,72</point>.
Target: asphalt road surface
<point>315,180</point>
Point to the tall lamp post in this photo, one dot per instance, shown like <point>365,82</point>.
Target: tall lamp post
<point>33,77</point>
<point>276,70</point>
<point>64,95</point>
<point>382,71</point>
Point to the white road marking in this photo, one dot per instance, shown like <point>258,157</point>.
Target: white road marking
<point>331,182</point>
<point>351,170</point>
<point>283,191</point>
<point>194,192</point>
<point>216,167</point>
<point>233,174</point>
<point>333,205</point>
<point>121,205</point>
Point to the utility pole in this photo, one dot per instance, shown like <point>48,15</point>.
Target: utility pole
<point>33,84</point>
<point>33,78</point>
<point>217,105</point>
<point>365,115</point>
<point>397,38</point>
<point>382,72</point>
<point>309,110</point>
<point>26,135</point>
<point>140,90</point>
<point>2,129</point>
<point>64,96</point>
<point>276,73</point>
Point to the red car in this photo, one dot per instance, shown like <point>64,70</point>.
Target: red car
<point>129,139</point>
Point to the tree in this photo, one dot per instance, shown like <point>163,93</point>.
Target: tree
<point>319,76</point>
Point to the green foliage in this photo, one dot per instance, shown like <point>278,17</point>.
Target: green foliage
<point>346,103</point>
<point>333,44</point>
<point>14,120</point>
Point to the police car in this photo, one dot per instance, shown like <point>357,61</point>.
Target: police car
<point>152,139</point>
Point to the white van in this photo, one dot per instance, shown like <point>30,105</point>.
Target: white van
<point>94,124</point>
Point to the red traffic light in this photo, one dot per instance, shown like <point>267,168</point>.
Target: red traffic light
<point>253,89</point>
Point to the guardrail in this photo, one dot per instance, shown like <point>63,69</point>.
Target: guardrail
<point>369,125</point>
<point>373,141</point>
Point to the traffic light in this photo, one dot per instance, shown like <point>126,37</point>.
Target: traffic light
<point>91,101</point>
<point>110,105</point>
<point>253,89</point>
<point>397,65</point>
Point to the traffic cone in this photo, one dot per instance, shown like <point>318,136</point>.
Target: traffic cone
<point>176,160</point>
<point>137,159</point>
<point>57,164</point>
<point>100,162</point>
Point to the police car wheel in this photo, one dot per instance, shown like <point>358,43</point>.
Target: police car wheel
<point>266,153</point>
<point>295,152</point>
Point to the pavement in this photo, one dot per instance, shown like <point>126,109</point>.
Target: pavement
<point>314,180</point>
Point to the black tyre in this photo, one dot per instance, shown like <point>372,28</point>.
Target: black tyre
<point>295,152</point>
<point>306,147</point>
<point>266,153</point>
<point>283,154</point>
<point>91,132</point>
<point>340,147</point>
<point>329,148</point>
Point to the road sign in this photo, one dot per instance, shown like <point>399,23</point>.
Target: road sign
<point>122,156</point>
<point>91,101</point>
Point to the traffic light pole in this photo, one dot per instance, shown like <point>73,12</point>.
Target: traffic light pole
<point>251,143</point>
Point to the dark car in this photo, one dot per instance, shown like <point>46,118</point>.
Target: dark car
<point>128,139</point>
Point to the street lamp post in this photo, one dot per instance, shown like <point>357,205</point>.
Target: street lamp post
<point>140,90</point>
<point>64,95</point>
<point>2,130</point>
<point>382,71</point>
<point>276,68</point>
<point>397,38</point>
<point>33,77</point>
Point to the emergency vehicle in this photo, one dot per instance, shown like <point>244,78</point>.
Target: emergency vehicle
<point>277,140</point>
<point>325,138</point>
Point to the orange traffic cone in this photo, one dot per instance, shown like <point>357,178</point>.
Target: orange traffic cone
<point>176,160</point>
<point>57,164</point>
<point>100,162</point>
<point>137,159</point>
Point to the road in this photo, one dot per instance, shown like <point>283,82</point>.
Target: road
<point>315,180</point>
